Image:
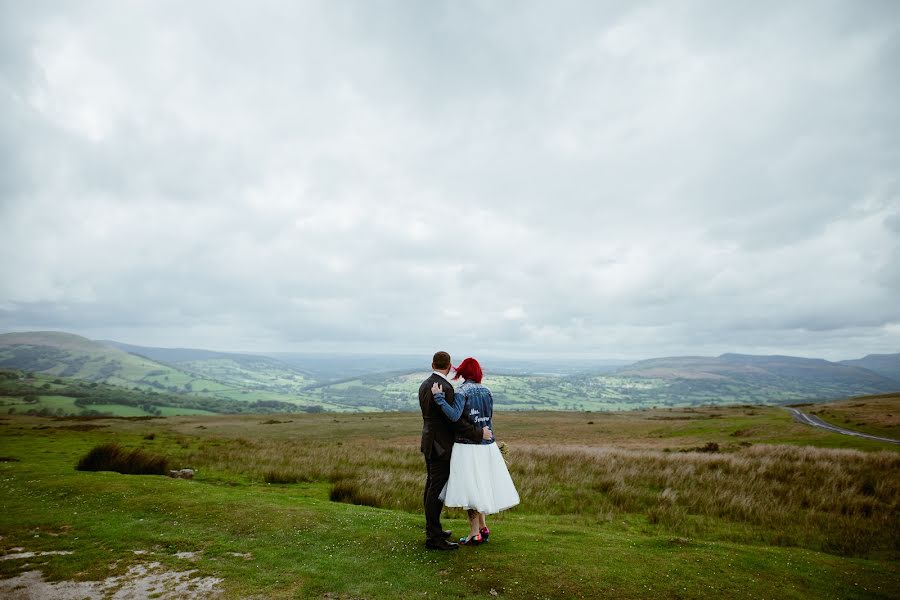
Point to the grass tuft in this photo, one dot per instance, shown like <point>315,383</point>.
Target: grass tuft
<point>350,492</point>
<point>112,457</point>
<point>279,476</point>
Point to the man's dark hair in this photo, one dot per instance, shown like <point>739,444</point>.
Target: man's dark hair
<point>441,360</point>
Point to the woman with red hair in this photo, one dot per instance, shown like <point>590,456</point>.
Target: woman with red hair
<point>479,480</point>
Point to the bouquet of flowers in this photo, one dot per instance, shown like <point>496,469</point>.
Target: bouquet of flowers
<point>504,451</point>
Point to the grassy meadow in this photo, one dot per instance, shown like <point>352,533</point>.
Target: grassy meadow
<point>730,502</point>
<point>875,415</point>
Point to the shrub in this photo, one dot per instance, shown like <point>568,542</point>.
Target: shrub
<point>112,457</point>
<point>277,476</point>
<point>666,511</point>
<point>709,447</point>
<point>351,492</point>
<point>10,374</point>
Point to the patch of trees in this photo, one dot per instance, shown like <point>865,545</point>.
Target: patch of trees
<point>109,369</point>
<point>271,406</point>
<point>11,374</point>
<point>74,366</point>
<point>35,358</point>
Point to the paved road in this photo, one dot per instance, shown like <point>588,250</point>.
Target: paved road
<point>815,421</point>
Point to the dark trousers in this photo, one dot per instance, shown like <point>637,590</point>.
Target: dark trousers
<point>438,474</point>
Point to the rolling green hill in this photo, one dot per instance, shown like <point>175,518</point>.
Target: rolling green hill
<point>73,356</point>
<point>220,379</point>
<point>233,377</point>
<point>47,395</point>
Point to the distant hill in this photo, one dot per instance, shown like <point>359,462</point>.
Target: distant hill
<point>210,374</point>
<point>336,367</point>
<point>232,369</point>
<point>58,339</point>
<point>810,377</point>
<point>390,382</point>
<point>199,373</point>
<point>49,395</point>
<point>68,355</point>
<point>887,365</point>
<point>177,356</point>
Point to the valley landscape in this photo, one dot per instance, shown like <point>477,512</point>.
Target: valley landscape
<point>125,380</point>
<point>665,478</point>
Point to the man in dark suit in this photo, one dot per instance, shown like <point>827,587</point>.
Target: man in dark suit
<point>438,433</point>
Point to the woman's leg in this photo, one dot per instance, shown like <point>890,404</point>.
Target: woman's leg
<point>482,524</point>
<point>474,522</point>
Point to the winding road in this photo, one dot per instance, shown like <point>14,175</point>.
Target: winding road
<point>815,421</point>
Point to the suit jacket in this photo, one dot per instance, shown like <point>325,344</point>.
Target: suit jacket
<point>438,432</point>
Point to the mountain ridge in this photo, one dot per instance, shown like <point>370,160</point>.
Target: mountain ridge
<point>355,382</point>
<point>883,364</point>
<point>751,375</point>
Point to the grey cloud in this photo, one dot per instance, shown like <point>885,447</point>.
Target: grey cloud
<point>619,179</point>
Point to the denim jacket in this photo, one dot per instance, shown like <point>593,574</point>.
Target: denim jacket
<point>475,401</point>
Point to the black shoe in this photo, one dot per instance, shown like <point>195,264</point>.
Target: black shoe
<point>447,534</point>
<point>441,545</point>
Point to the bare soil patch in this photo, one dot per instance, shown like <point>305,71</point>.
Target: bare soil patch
<point>141,581</point>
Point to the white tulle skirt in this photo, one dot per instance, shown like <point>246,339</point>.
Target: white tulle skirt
<point>479,479</point>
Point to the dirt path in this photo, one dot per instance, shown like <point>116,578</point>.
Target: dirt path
<point>815,421</point>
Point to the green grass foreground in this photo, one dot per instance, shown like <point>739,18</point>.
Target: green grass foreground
<point>612,507</point>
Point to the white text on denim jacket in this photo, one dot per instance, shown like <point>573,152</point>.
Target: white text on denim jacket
<point>475,419</point>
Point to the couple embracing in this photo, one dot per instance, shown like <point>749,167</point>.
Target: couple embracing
<point>465,467</point>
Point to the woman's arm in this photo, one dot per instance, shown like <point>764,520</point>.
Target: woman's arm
<point>451,412</point>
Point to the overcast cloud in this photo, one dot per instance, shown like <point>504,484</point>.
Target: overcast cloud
<point>590,178</point>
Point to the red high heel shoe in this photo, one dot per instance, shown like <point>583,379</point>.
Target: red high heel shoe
<point>485,534</point>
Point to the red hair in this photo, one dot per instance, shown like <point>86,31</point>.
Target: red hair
<point>469,369</point>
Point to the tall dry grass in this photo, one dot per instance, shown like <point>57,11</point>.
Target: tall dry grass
<point>840,501</point>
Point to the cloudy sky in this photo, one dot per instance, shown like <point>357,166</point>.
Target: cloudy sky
<point>589,178</point>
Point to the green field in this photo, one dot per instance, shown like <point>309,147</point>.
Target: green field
<point>617,505</point>
<point>46,395</point>
<point>54,404</point>
<point>587,392</point>
<point>229,383</point>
